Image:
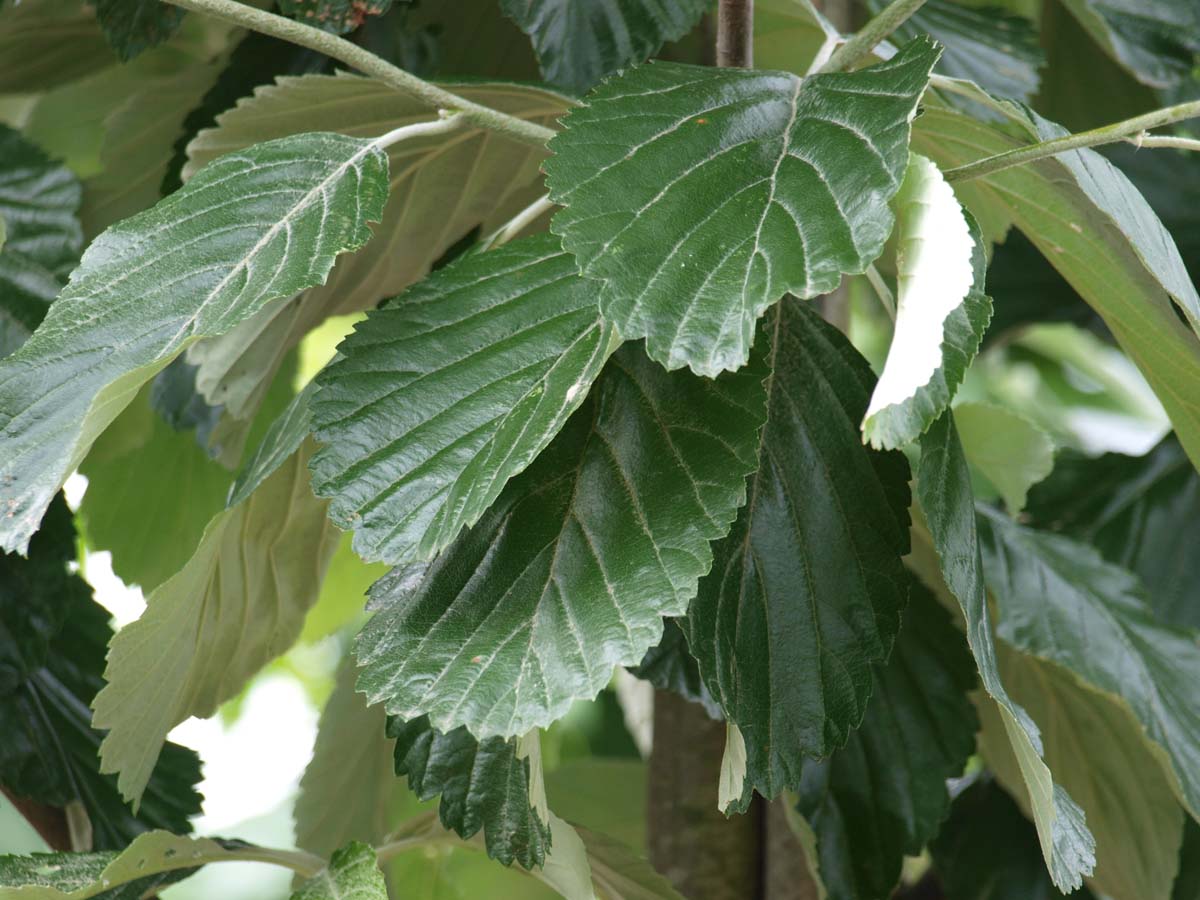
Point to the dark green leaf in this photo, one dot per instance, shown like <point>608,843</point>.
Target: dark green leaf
<point>1157,40</point>
<point>450,390</point>
<point>39,203</point>
<point>557,584</point>
<point>1140,512</point>
<point>700,196</point>
<point>338,16</point>
<point>805,593</point>
<point>252,227</point>
<point>132,26</point>
<point>670,666</point>
<point>53,639</point>
<point>883,796</point>
<point>353,874</point>
<point>944,491</point>
<point>577,44</point>
<point>1187,882</point>
<point>483,784</point>
<point>987,850</point>
<point>1058,600</point>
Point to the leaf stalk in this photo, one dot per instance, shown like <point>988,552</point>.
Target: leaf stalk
<point>869,36</point>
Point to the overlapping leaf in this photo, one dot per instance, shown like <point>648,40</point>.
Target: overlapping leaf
<point>572,570</point>
<point>252,227</point>
<point>132,26</point>
<point>700,196</point>
<point>941,310</point>
<point>1101,235</point>
<point>577,44</point>
<point>1006,449</point>
<point>670,666</point>
<point>442,187</point>
<point>883,796</point>
<point>353,874</point>
<point>39,201</point>
<point>53,639</point>
<point>45,43</point>
<point>442,396</point>
<point>944,491</point>
<point>1140,512</point>
<point>238,603</point>
<point>1059,601</point>
<point>484,786</point>
<point>1158,41</point>
<point>805,593</point>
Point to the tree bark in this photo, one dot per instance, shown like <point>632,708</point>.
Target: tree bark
<point>703,854</point>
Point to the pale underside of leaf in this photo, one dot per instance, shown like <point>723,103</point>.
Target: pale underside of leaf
<point>700,196</point>
<point>451,389</point>
<point>559,582</point>
<point>253,227</point>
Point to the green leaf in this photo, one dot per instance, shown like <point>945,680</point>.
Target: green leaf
<point>577,44</point>
<point>791,35</point>
<point>944,492</point>
<point>132,26</point>
<point>556,585</point>
<point>1099,753</point>
<point>1059,601</point>
<point>1011,452</point>
<point>941,312</point>
<point>253,227</point>
<point>619,873</point>
<point>883,796</point>
<point>1159,41</point>
<point>484,785</point>
<point>988,850</point>
<point>441,190</point>
<point>1140,512</point>
<point>700,196</point>
<point>152,860</point>
<point>238,603</point>
<point>349,791</point>
<point>338,16</point>
<point>447,392</point>
<point>1098,231</point>
<point>990,46</point>
<point>670,666</point>
<point>39,201</point>
<point>53,639</point>
<point>45,43</point>
<point>805,593</point>
<point>353,874</point>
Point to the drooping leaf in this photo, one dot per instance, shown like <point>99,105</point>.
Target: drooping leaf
<point>577,44</point>
<point>1158,41</point>
<point>1009,451</point>
<point>450,390</point>
<point>700,196</point>
<point>995,48</point>
<point>39,202</point>
<point>484,785</point>
<point>338,16</point>
<point>45,43</point>
<point>944,492</point>
<point>670,666</point>
<point>353,874</point>
<point>132,26</point>
<point>349,790</point>
<point>1098,231</point>
<point>941,310</point>
<point>556,585</point>
<point>1140,512</point>
<point>987,850</point>
<point>883,796</point>
<point>441,189</point>
<point>238,603</point>
<point>252,227</point>
<point>1060,601</point>
<point>1099,753</point>
<point>53,639</point>
<point>153,860</point>
<point>805,593</point>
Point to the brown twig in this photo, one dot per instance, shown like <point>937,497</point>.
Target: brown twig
<point>735,34</point>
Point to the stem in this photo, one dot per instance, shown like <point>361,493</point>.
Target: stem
<point>1106,134</point>
<point>369,64</point>
<point>882,291</point>
<point>735,34</point>
<point>1159,140</point>
<point>878,29</point>
<point>445,123</point>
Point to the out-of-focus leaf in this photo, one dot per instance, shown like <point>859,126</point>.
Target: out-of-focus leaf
<point>45,43</point>
<point>1009,451</point>
<point>1157,40</point>
<point>132,26</point>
